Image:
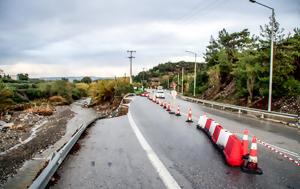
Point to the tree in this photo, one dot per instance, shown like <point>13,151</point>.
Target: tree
<point>23,77</point>
<point>266,32</point>
<point>86,80</point>
<point>247,74</point>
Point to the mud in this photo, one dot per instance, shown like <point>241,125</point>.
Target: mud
<point>45,136</point>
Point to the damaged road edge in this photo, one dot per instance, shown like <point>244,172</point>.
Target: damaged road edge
<point>58,157</point>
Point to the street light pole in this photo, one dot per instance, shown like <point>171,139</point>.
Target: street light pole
<point>271,54</point>
<point>195,70</point>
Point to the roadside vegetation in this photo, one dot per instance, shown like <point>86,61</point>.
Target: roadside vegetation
<point>236,69</point>
<point>24,92</point>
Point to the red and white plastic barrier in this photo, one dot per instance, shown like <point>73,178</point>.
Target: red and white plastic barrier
<point>212,128</point>
<point>216,133</point>
<point>202,121</point>
<point>233,151</point>
<point>223,137</point>
<point>225,140</point>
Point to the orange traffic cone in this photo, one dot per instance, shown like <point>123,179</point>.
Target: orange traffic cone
<point>189,119</point>
<point>161,103</point>
<point>165,105</point>
<point>178,111</point>
<point>169,108</point>
<point>251,166</point>
<point>245,143</point>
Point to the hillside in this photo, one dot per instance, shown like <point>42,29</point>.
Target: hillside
<point>236,71</point>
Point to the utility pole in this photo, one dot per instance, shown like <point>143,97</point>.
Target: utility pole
<point>130,59</point>
<point>182,80</point>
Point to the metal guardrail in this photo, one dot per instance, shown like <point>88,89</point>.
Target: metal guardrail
<point>245,109</point>
<point>57,158</point>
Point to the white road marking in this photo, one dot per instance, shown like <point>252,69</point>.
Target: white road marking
<point>162,171</point>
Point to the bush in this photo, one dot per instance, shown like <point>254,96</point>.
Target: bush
<point>6,95</point>
<point>292,87</point>
<point>107,90</point>
<point>76,94</point>
<point>83,89</point>
<point>33,93</point>
<point>58,100</point>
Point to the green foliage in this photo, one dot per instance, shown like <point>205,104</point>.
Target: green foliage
<point>62,88</point>
<point>22,77</point>
<point>292,86</point>
<point>107,90</point>
<point>5,96</point>
<point>238,63</point>
<point>86,79</point>
<point>83,89</point>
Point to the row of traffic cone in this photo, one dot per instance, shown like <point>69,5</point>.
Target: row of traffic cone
<point>168,108</point>
<point>251,160</point>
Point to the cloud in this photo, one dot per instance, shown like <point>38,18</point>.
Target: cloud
<point>76,37</point>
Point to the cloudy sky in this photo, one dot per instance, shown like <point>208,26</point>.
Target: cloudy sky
<point>91,37</point>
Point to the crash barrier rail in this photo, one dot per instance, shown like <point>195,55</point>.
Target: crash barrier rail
<point>58,157</point>
<point>240,109</point>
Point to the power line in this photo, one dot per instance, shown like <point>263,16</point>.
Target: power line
<point>193,16</point>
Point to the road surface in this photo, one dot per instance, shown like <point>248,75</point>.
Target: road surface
<point>150,148</point>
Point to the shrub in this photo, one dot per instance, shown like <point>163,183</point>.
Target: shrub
<point>58,100</point>
<point>83,89</point>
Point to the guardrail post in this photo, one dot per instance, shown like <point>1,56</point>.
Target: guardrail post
<point>240,111</point>
<point>262,116</point>
<point>212,105</point>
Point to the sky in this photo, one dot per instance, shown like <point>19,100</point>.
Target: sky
<point>91,37</point>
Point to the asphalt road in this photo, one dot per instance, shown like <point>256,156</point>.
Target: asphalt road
<point>159,149</point>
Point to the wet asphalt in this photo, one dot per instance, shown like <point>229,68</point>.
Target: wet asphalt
<point>111,156</point>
